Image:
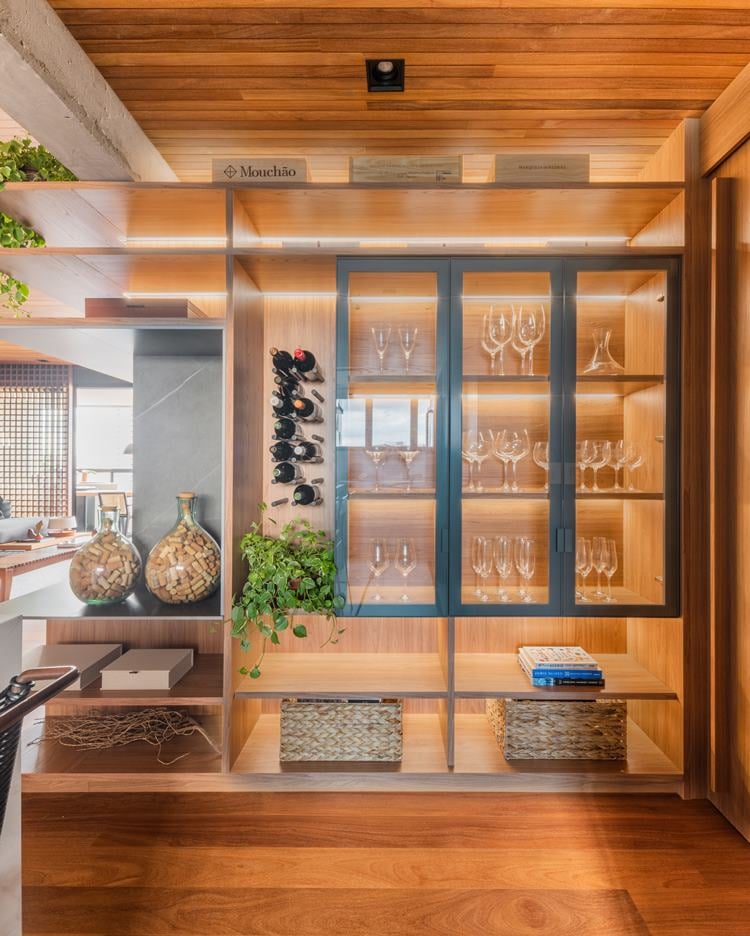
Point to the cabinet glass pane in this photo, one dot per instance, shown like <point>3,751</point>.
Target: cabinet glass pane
<point>505,430</point>
<point>620,455</point>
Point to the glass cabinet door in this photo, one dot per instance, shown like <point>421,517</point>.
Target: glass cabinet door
<point>622,443</point>
<point>505,428</point>
<point>391,435</point>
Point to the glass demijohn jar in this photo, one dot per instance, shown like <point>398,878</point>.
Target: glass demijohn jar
<point>185,565</point>
<point>602,361</point>
<point>105,570</point>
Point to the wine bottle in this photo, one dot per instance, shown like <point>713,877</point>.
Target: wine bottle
<point>282,451</point>
<point>286,473</point>
<point>287,429</point>
<point>283,406</point>
<point>287,386</point>
<point>307,410</point>
<point>307,495</point>
<point>283,363</point>
<point>306,365</point>
<point>308,452</point>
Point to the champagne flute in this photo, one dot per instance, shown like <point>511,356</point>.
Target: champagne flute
<point>381,336</point>
<point>583,565</point>
<point>501,324</point>
<point>611,567</point>
<point>541,459</point>
<point>378,454</point>
<point>602,455</point>
<point>405,561</point>
<point>600,560</point>
<point>407,456</point>
<point>379,562</point>
<point>408,338</point>
<point>525,556</point>
<point>503,556</point>
<point>482,563</point>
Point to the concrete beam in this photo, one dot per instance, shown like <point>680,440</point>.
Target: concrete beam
<point>50,86</point>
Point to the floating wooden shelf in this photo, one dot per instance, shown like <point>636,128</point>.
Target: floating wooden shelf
<point>345,675</point>
<point>619,386</point>
<point>201,686</point>
<point>619,495</point>
<point>414,494</point>
<point>498,675</point>
<point>497,493</point>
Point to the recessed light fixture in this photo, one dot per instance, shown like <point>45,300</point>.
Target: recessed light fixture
<point>386,74</point>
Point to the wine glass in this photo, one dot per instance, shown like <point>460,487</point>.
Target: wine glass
<point>585,454</point>
<point>501,331</point>
<point>408,338</point>
<point>637,458</point>
<point>468,453</point>
<point>482,451</point>
<point>487,340</point>
<point>381,336</point>
<point>618,460</point>
<point>600,560</point>
<point>407,456</point>
<point>482,563</point>
<point>519,447</point>
<point>378,455</point>
<point>525,558</point>
<point>499,440</point>
<point>611,567</point>
<point>540,455</point>
<point>583,565</point>
<point>602,454</point>
<point>405,561</point>
<point>378,562</point>
<point>531,328</point>
<point>503,556</point>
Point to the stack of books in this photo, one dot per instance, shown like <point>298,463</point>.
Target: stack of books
<point>560,666</point>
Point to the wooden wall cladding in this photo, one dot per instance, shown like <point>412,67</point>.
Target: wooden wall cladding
<point>288,79</point>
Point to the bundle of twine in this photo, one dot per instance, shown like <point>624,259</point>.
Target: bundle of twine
<point>97,731</point>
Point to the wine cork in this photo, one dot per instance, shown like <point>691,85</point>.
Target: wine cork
<point>106,570</point>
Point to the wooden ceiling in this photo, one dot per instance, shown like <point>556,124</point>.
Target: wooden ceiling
<point>228,77</point>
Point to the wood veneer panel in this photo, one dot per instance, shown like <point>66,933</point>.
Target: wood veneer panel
<point>726,124</point>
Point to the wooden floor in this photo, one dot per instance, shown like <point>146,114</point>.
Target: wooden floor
<point>331,864</point>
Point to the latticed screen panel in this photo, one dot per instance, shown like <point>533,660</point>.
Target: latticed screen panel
<point>35,473</point>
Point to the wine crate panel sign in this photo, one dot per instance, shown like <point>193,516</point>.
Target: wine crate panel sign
<point>533,167</point>
<point>405,169</point>
<point>257,171</point>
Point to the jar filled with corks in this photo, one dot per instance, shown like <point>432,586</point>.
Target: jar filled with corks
<point>184,566</point>
<point>105,571</point>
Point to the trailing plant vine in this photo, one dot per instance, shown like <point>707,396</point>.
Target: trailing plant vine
<point>21,160</point>
<point>15,234</point>
<point>13,294</point>
<point>294,571</point>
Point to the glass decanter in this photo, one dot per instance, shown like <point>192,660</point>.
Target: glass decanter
<point>602,361</point>
<point>105,571</point>
<point>185,565</point>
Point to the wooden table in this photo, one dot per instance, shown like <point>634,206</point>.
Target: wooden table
<point>22,561</point>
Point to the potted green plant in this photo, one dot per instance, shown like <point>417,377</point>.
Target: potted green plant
<point>21,160</point>
<point>294,571</point>
<point>13,294</point>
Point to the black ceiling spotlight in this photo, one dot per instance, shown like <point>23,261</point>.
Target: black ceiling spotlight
<point>385,74</point>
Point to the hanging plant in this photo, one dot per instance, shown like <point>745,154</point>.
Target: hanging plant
<point>21,160</point>
<point>294,571</point>
<point>15,234</point>
<point>13,294</point>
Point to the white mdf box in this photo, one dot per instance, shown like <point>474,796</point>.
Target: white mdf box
<point>147,669</point>
<point>89,658</point>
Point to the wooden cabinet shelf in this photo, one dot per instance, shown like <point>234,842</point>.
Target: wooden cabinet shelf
<point>344,675</point>
<point>617,386</point>
<point>498,675</point>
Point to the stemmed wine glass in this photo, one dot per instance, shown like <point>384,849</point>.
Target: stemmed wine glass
<point>618,461</point>
<point>378,455</point>
<point>518,447</point>
<point>600,561</point>
<point>585,455</point>
<point>499,440</point>
<point>407,456</point>
<point>481,563</point>
<point>583,565</point>
<point>540,455</point>
<point>530,327</point>
<point>525,558</point>
<point>405,561</point>
<point>635,461</point>
<point>497,332</point>
<point>611,567</point>
<point>408,338</point>
<point>602,455</point>
<point>381,336</point>
<point>488,340</point>
<point>475,450</point>
<point>503,555</point>
<point>378,562</point>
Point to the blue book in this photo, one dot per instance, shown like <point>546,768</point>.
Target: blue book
<point>593,683</point>
<point>543,673</point>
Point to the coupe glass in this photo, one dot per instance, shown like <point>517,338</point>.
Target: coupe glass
<point>525,560</point>
<point>405,561</point>
<point>611,567</point>
<point>503,555</point>
<point>602,455</point>
<point>583,565</point>
<point>482,563</point>
<point>408,338</point>
<point>600,561</point>
<point>540,455</point>
<point>378,455</point>
<point>407,456</point>
<point>381,336</point>
<point>378,562</point>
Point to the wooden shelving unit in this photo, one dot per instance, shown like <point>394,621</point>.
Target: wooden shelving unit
<point>264,260</point>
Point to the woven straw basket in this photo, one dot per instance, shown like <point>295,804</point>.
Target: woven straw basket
<point>530,730</point>
<point>341,731</point>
